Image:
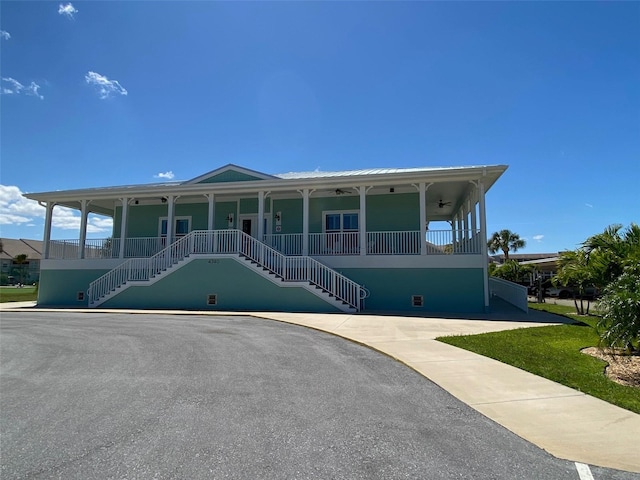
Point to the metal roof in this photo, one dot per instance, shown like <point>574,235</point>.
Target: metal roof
<point>369,171</point>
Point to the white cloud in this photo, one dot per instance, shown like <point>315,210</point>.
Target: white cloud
<point>68,10</point>
<point>18,210</point>
<point>168,175</point>
<point>14,87</point>
<point>5,35</point>
<point>105,86</point>
<point>538,238</point>
<point>588,205</point>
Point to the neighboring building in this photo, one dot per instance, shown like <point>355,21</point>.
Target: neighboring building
<point>545,264</point>
<point>11,272</point>
<point>235,239</point>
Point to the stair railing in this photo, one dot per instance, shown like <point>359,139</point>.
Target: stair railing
<point>293,268</point>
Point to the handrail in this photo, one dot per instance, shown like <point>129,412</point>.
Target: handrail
<point>295,268</point>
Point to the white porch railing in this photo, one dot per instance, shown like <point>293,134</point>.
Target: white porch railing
<point>510,292</point>
<point>286,243</point>
<point>230,242</point>
<point>106,248</point>
<point>340,243</point>
<point>393,243</point>
<point>438,242</point>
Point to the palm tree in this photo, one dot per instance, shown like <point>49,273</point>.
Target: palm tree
<point>505,240</point>
<point>612,250</point>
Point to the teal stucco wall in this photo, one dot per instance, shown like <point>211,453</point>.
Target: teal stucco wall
<point>61,287</point>
<point>236,286</point>
<point>443,289</point>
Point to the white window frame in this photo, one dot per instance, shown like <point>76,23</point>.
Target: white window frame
<point>341,213</point>
<point>175,223</point>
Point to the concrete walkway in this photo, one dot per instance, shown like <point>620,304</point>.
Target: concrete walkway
<point>562,421</point>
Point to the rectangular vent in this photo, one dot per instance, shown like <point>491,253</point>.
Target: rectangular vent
<point>417,300</point>
<point>80,296</point>
<point>212,299</point>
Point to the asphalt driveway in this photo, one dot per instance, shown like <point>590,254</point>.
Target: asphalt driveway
<point>157,396</point>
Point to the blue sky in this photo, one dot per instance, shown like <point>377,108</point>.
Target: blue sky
<point>114,93</point>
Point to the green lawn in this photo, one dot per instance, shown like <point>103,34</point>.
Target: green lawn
<point>13,294</point>
<point>554,353</point>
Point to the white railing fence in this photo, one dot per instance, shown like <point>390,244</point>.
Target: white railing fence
<point>287,243</point>
<point>438,242</point>
<point>393,243</point>
<point>338,243</point>
<point>510,292</point>
<point>230,242</point>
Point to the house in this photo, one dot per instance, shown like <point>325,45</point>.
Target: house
<point>11,271</point>
<point>411,239</point>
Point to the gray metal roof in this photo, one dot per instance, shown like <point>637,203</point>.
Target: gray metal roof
<point>369,171</point>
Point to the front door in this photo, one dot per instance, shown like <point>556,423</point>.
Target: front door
<point>246,226</point>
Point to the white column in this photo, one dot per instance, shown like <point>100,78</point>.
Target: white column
<point>84,214</point>
<point>483,244</point>
<point>423,218</point>
<point>123,225</point>
<point>474,213</point>
<point>170,219</point>
<point>362,220</point>
<point>465,220</point>
<point>305,222</point>
<point>212,211</point>
<point>47,227</point>
<point>260,216</point>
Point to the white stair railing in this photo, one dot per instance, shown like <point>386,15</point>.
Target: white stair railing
<point>295,268</point>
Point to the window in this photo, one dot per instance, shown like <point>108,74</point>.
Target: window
<point>341,222</point>
<point>181,227</point>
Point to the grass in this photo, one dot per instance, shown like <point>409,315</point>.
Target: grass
<point>13,294</point>
<point>553,352</point>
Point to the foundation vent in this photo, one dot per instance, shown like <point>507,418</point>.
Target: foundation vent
<point>417,300</point>
<point>212,299</point>
<point>80,296</point>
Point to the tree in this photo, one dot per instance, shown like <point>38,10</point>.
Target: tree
<point>505,241</point>
<point>614,257</point>
<point>512,271</point>
<point>21,261</point>
<point>611,251</point>
<point>619,325</point>
<point>575,272</point>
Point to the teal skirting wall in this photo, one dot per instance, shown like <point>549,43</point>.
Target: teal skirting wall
<point>239,288</point>
<point>236,286</point>
<point>61,287</point>
<point>443,290</point>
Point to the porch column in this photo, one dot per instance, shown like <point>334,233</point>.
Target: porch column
<point>465,220</point>
<point>84,214</point>
<point>260,216</point>
<point>454,226</point>
<point>474,213</point>
<point>47,227</point>
<point>423,217</point>
<point>305,222</point>
<point>363,219</point>
<point>170,219</point>
<point>483,244</point>
<point>123,225</point>
<point>212,211</point>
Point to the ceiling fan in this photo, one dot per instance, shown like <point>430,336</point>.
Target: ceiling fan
<point>339,191</point>
<point>442,204</point>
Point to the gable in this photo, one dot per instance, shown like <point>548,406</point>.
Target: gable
<point>230,173</point>
<point>229,176</point>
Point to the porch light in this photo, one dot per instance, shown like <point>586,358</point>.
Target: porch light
<point>278,217</point>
